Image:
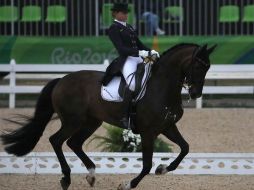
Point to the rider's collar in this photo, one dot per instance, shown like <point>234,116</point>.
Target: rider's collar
<point>123,23</point>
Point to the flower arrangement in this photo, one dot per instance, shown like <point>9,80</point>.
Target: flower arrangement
<point>122,140</point>
<point>132,142</point>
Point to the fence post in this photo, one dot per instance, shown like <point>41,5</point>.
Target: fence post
<point>12,84</point>
<point>199,103</point>
<point>97,18</point>
<point>12,22</point>
<point>106,62</point>
<point>181,19</point>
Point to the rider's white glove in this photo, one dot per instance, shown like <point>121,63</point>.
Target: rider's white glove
<point>155,52</point>
<point>143,53</point>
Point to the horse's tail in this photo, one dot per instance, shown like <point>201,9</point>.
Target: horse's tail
<point>23,140</point>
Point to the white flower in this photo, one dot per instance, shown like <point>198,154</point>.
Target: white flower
<point>138,141</point>
<point>131,139</point>
<point>132,144</point>
<point>125,135</point>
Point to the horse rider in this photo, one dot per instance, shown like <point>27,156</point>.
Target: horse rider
<point>131,53</point>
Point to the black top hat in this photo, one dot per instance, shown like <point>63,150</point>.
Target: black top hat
<point>120,7</point>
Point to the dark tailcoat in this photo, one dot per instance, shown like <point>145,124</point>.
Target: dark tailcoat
<point>126,43</point>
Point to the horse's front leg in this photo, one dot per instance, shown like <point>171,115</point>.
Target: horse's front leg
<point>174,135</point>
<point>147,155</point>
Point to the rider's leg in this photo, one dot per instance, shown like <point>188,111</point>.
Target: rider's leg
<point>128,71</point>
<point>127,100</point>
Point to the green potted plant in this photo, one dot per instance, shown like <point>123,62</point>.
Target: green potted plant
<point>120,140</point>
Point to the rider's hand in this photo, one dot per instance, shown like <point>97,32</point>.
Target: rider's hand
<point>153,52</point>
<point>143,53</point>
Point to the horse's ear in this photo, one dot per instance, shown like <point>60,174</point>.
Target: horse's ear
<point>202,50</point>
<point>210,50</point>
<point>204,47</point>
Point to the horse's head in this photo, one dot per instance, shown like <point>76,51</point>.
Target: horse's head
<point>196,70</point>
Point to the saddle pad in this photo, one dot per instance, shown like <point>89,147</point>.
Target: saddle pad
<point>110,92</point>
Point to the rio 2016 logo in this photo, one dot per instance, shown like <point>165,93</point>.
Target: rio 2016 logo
<point>86,56</point>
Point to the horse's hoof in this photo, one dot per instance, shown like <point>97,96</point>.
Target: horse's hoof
<point>90,179</point>
<point>161,169</point>
<point>124,186</point>
<point>65,185</point>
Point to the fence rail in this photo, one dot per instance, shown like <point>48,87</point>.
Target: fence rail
<point>216,72</point>
<point>126,163</point>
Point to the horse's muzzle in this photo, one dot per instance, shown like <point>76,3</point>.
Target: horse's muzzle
<point>194,93</point>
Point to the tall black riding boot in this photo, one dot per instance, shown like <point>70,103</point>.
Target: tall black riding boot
<point>127,102</point>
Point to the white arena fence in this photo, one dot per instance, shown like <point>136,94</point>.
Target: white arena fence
<point>129,163</point>
<point>46,72</point>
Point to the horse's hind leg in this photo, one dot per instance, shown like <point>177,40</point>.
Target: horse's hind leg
<point>57,141</point>
<point>76,142</point>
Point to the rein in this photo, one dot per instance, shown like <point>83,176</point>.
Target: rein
<point>149,60</point>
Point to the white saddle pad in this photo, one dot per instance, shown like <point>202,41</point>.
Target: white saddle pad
<point>110,92</point>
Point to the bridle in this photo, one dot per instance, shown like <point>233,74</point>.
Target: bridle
<point>188,80</point>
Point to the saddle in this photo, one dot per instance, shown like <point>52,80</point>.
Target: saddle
<point>114,91</point>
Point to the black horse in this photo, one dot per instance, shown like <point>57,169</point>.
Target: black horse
<point>77,101</point>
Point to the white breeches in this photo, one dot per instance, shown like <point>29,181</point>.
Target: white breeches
<point>130,66</point>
